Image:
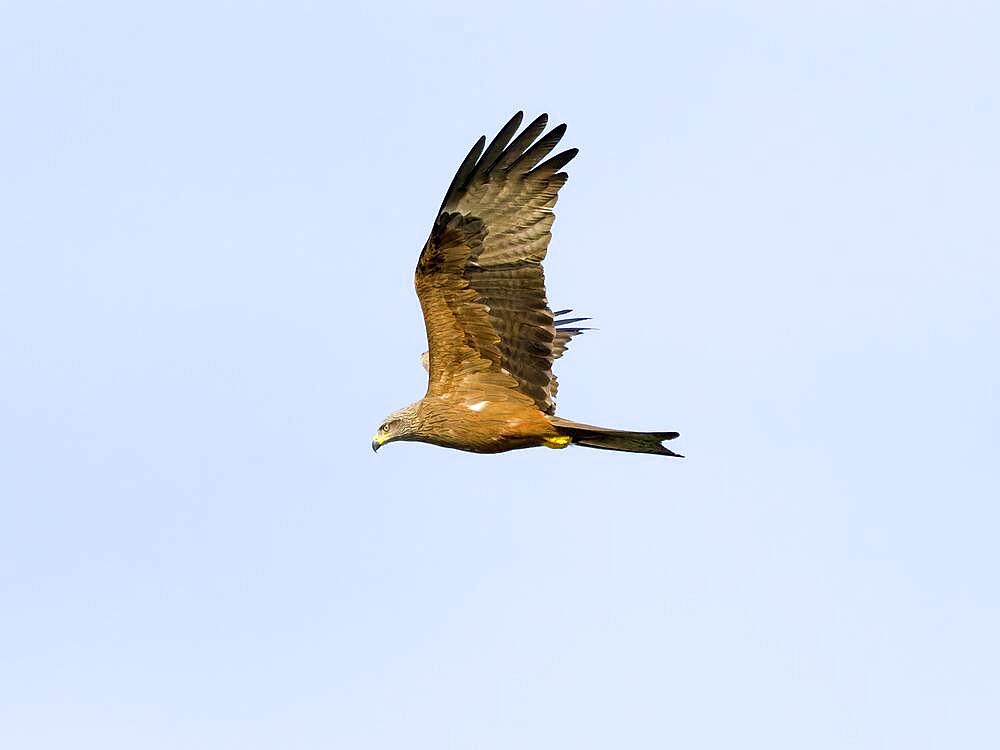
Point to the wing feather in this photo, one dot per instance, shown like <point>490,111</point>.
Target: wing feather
<point>519,144</point>
<point>465,170</point>
<point>539,151</point>
<point>499,142</point>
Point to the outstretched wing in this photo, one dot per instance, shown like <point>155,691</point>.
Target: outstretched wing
<point>479,277</point>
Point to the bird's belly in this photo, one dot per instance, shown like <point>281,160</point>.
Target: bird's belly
<point>493,431</point>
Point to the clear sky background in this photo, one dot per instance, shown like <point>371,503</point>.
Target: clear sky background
<point>784,220</point>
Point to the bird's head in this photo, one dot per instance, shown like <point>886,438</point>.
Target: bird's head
<point>399,425</point>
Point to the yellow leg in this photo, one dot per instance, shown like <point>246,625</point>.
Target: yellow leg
<point>560,441</point>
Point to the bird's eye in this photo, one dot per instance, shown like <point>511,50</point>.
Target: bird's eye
<point>384,427</point>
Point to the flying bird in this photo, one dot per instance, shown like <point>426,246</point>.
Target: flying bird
<point>491,336</point>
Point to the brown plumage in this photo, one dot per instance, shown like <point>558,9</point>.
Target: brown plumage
<point>491,335</point>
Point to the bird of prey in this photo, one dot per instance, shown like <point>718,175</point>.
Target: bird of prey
<point>491,335</point>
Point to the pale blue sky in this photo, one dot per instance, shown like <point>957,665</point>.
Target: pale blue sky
<point>784,221</point>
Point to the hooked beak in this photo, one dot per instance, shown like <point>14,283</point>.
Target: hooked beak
<point>376,443</point>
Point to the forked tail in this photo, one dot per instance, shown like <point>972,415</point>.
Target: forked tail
<point>615,440</point>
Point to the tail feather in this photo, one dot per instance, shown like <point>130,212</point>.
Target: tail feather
<point>616,440</point>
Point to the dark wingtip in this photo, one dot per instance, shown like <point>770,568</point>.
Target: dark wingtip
<point>513,123</point>
<point>556,163</point>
